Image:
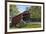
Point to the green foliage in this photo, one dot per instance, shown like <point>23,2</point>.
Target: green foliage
<point>35,12</point>
<point>13,10</point>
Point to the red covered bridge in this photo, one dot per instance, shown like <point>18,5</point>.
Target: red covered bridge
<point>17,19</point>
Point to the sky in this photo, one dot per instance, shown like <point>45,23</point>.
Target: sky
<point>22,8</point>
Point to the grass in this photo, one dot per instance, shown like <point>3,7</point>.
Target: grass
<point>30,25</point>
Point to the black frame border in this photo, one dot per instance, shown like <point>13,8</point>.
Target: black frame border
<point>22,2</point>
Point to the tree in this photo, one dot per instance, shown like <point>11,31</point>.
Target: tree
<point>13,10</point>
<point>35,12</point>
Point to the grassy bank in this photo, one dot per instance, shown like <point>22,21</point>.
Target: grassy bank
<point>30,25</point>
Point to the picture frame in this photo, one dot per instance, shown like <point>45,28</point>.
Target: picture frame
<point>7,3</point>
